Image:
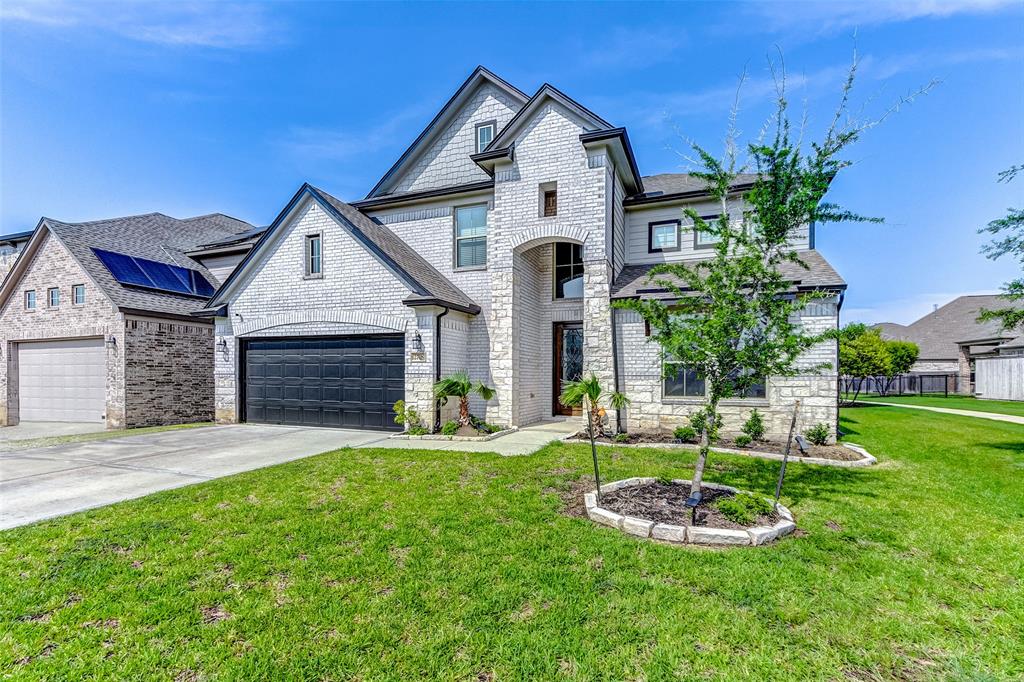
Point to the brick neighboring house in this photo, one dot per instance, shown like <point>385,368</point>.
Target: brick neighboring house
<point>496,244</point>
<point>79,343</point>
<point>950,339</point>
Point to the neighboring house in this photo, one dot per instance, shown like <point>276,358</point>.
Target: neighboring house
<point>95,322</point>
<point>950,338</point>
<point>496,244</point>
<point>10,247</point>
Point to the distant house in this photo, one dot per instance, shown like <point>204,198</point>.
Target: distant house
<point>10,246</point>
<point>96,324</point>
<point>951,339</point>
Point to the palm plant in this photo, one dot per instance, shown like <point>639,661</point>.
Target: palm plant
<point>459,385</point>
<point>587,392</point>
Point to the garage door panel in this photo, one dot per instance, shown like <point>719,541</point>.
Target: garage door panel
<point>62,380</point>
<point>350,382</point>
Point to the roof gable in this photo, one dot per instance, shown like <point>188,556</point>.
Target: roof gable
<point>450,113</point>
<point>428,286</point>
<point>591,121</point>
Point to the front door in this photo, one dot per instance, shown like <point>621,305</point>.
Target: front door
<point>568,361</point>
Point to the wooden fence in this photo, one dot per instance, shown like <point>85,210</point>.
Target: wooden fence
<point>999,378</point>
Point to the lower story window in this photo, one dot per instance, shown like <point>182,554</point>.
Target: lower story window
<point>682,382</point>
<point>754,390</point>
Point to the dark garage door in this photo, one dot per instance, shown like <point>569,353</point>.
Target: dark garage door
<point>349,382</point>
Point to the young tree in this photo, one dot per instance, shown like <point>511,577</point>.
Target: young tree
<point>1012,224</point>
<point>863,356</point>
<point>459,385</point>
<point>732,319</point>
<point>902,356</point>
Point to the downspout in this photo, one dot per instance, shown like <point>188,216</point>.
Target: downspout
<point>437,367</point>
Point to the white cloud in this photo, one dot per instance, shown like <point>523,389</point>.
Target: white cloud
<point>825,17</point>
<point>633,47</point>
<point>331,144</point>
<point>224,25</point>
<point>903,310</point>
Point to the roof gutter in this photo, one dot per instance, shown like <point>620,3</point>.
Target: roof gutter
<point>409,197</point>
<point>639,200</point>
<point>437,367</point>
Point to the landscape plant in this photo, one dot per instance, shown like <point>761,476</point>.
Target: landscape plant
<point>459,385</point>
<point>753,428</point>
<point>868,360</point>
<point>588,394</point>
<point>409,417</point>
<point>733,317</point>
<point>818,434</point>
<point>687,434</point>
<point>743,508</point>
<point>743,440</point>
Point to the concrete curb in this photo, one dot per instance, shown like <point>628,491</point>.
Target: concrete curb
<point>470,439</point>
<point>867,459</point>
<point>685,535</point>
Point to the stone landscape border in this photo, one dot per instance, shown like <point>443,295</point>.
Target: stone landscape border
<point>685,535</point>
<point>866,460</point>
<point>441,436</point>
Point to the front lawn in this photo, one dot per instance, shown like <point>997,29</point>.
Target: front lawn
<point>401,565</point>
<point>960,402</point>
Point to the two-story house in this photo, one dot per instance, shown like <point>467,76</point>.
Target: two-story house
<point>497,243</point>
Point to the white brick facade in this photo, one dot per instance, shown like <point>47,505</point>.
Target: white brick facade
<point>510,344</point>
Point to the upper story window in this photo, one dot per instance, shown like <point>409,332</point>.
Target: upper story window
<point>484,134</point>
<point>314,255</point>
<point>471,236</point>
<point>78,294</point>
<point>663,235</point>
<point>30,299</point>
<point>53,297</point>
<point>568,270</point>
<point>703,240</point>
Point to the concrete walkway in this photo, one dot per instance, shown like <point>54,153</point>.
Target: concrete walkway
<point>525,441</point>
<point>1012,418</point>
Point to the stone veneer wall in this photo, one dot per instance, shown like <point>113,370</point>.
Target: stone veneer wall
<point>168,372</point>
<point>641,381</point>
<point>356,295</point>
<point>547,150</point>
<point>53,266</point>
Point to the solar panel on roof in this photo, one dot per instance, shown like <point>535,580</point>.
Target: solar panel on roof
<point>151,274</point>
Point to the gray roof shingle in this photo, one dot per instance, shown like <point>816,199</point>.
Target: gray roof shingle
<point>938,333</point>
<point>633,281</point>
<point>154,236</point>
<point>679,183</point>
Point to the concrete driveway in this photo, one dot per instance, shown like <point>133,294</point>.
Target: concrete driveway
<point>27,430</point>
<point>41,483</point>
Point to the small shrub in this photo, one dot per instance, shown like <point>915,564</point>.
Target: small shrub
<point>743,440</point>
<point>818,434</point>
<point>754,426</point>
<point>621,438</point>
<point>685,433</point>
<point>743,508</point>
<point>410,418</point>
<point>450,428</point>
<point>664,480</point>
<point>482,426</point>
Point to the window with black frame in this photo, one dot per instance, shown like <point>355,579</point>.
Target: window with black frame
<point>756,389</point>
<point>568,270</point>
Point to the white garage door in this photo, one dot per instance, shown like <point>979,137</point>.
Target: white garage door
<point>62,381</point>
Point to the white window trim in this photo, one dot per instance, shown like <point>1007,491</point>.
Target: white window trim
<point>49,297</point>
<point>35,300</point>
<point>308,256</point>
<point>456,238</point>
<point>493,125</point>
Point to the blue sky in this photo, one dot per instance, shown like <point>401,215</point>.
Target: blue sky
<point>190,108</point>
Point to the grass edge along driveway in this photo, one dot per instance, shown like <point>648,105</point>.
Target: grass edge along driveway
<point>398,565</point>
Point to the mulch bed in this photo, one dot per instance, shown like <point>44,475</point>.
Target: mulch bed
<point>836,452</point>
<point>665,503</point>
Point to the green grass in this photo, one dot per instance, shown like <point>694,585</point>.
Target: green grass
<point>47,441</point>
<point>400,565</point>
<point>953,403</point>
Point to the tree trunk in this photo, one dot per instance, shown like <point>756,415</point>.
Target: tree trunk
<point>705,446</point>
<point>464,411</point>
<point>593,451</point>
<point>595,419</point>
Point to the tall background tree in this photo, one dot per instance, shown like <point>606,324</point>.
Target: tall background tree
<point>1008,240</point>
<point>732,317</point>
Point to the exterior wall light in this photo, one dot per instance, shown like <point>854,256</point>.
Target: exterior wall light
<point>112,342</point>
<point>222,346</point>
<point>417,343</point>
